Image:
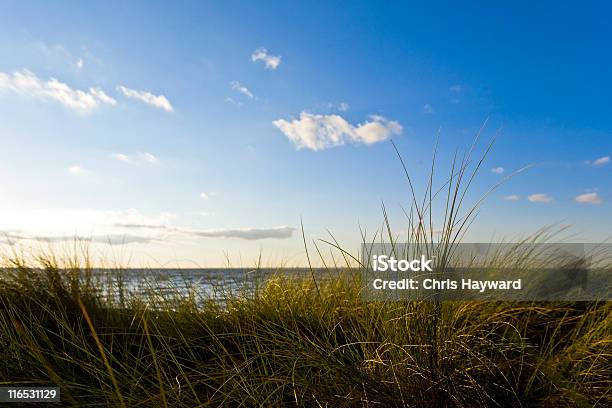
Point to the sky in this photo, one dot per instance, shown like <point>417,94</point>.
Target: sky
<point>204,134</point>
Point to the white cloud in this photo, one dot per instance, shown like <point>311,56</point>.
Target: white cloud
<point>497,170</point>
<point>77,170</point>
<point>26,83</point>
<point>206,196</point>
<point>343,107</point>
<point>512,197</point>
<point>232,101</point>
<point>599,162</point>
<point>283,232</point>
<point>136,158</point>
<point>271,61</point>
<point>93,225</point>
<point>238,87</point>
<point>589,198</point>
<point>246,233</point>
<point>318,132</point>
<point>58,56</point>
<point>427,109</point>
<point>102,97</point>
<point>148,157</point>
<point>157,101</point>
<point>121,157</point>
<point>540,198</point>
<point>456,88</point>
<point>114,227</point>
<point>109,239</point>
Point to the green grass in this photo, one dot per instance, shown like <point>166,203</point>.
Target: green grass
<point>291,344</point>
<point>302,341</point>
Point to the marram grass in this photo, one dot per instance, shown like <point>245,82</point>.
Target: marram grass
<point>301,341</point>
<point>293,344</point>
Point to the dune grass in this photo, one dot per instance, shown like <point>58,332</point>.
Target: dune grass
<point>306,341</point>
<point>291,344</point>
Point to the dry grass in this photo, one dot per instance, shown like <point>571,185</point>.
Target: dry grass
<point>301,342</point>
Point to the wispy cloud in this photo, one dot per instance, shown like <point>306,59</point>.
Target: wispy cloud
<point>457,88</point>
<point>233,101</point>
<point>12,238</point>
<point>246,233</point>
<point>283,232</point>
<point>58,55</point>
<point>136,158</point>
<point>77,170</point>
<point>342,106</point>
<point>512,197</point>
<point>428,109</point>
<point>206,196</point>
<point>540,198</point>
<point>26,83</point>
<point>54,225</point>
<point>157,101</point>
<point>238,87</point>
<point>599,162</point>
<point>271,61</point>
<point>589,198</point>
<point>318,132</point>
<point>497,170</point>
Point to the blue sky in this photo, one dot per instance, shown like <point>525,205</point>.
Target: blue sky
<point>206,130</point>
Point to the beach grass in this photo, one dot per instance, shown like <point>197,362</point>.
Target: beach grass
<point>293,344</point>
<point>300,341</point>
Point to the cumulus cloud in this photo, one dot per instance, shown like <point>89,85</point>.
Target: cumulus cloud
<point>318,132</point>
<point>271,61</point>
<point>599,162</point>
<point>589,198</point>
<point>80,64</point>
<point>540,198</point>
<point>238,87</point>
<point>157,101</point>
<point>428,109</point>
<point>497,170</point>
<point>136,158</point>
<point>512,197</point>
<point>26,83</point>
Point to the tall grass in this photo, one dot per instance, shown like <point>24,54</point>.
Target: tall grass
<point>302,341</point>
